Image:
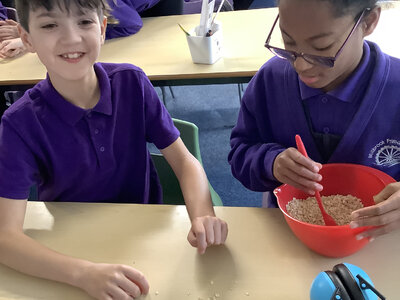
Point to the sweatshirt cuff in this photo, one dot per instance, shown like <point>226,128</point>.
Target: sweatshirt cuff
<point>269,164</point>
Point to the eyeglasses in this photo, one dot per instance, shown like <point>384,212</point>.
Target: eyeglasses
<point>326,61</point>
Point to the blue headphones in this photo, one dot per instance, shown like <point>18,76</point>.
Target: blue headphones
<point>344,282</point>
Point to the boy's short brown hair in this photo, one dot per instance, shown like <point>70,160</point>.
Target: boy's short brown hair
<point>25,6</point>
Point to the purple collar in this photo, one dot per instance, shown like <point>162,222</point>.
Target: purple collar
<point>347,89</point>
<point>71,113</point>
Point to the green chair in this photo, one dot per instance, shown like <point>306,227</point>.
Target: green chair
<point>172,193</point>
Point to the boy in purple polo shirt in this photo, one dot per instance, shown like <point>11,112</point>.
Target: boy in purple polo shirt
<point>80,135</point>
<point>126,12</point>
<point>337,91</point>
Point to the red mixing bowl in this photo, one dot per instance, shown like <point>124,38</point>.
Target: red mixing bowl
<point>343,179</point>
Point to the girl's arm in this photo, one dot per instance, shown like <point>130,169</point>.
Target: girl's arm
<point>206,229</point>
<point>22,253</point>
<point>385,213</point>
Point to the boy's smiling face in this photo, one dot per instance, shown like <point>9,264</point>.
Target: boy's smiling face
<point>67,43</point>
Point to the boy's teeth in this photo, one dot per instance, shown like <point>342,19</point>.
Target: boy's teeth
<point>71,55</point>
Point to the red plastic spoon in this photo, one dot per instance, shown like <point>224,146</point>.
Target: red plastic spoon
<point>329,221</point>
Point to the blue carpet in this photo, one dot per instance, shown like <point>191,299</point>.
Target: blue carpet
<point>214,109</point>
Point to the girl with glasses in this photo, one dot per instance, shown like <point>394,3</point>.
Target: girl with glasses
<point>339,92</point>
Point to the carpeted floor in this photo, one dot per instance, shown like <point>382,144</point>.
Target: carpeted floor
<point>214,109</point>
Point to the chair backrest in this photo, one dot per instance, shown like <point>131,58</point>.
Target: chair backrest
<point>164,8</point>
<point>172,193</point>
<point>12,13</point>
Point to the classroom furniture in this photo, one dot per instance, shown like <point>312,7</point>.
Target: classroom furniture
<point>8,3</point>
<point>172,193</point>
<point>161,50</point>
<point>164,8</point>
<point>12,13</point>
<point>262,259</point>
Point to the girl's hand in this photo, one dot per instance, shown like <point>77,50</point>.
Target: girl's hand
<point>207,231</point>
<point>385,213</point>
<point>293,168</point>
<point>109,281</point>
<point>11,48</point>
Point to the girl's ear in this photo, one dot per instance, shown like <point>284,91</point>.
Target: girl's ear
<point>26,38</point>
<point>371,20</point>
<point>103,27</point>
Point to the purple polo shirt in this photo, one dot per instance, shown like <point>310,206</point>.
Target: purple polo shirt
<point>3,12</point>
<point>127,14</point>
<point>95,155</point>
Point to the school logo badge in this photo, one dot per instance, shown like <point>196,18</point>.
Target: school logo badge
<point>386,153</point>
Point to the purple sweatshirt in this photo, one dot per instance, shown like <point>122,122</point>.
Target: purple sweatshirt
<point>127,14</point>
<point>364,111</point>
<point>3,12</point>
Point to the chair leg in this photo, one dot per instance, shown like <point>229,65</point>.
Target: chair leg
<point>240,93</point>
<point>172,92</point>
<point>163,94</point>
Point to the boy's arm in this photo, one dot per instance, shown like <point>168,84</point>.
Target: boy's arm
<point>22,253</point>
<point>206,228</point>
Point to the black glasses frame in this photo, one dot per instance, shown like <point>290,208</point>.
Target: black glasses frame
<point>326,61</point>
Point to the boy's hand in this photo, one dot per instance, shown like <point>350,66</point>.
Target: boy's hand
<point>293,168</point>
<point>8,30</point>
<point>207,231</point>
<point>385,213</point>
<point>109,281</point>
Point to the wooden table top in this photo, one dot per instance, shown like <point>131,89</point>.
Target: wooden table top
<point>262,259</point>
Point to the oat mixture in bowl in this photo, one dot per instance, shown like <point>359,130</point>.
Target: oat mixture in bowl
<point>339,207</point>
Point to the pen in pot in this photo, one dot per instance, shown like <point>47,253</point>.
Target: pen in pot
<point>219,8</point>
<point>187,33</point>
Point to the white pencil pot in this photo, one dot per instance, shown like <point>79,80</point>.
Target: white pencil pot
<point>206,49</point>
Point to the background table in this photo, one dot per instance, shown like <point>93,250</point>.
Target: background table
<point>262,259</point>
<point>161,50</point>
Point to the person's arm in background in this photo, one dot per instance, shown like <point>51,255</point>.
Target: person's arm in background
<point>11,48</point>
<point>126,13</point>
<point>206,228</point>
<point>142,5</point>
<point>8,30</point>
